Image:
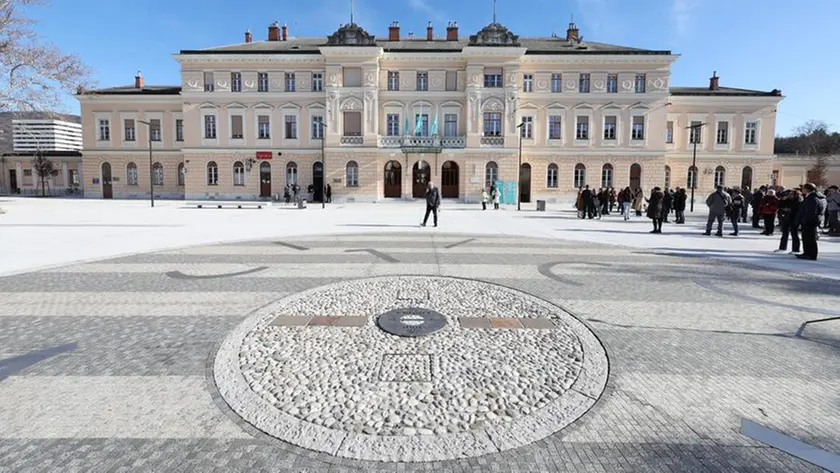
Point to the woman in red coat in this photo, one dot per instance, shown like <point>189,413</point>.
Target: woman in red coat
<point>768,209</point>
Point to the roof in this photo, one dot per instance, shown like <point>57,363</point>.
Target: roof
<point>131,90</point>
<point>722,92</point>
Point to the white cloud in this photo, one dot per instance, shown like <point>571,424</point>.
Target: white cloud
<point>681,14</point>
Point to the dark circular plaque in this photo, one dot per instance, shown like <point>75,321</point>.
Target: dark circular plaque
<point>411,322</point>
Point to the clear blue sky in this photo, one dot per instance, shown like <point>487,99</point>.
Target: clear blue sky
<point>758,44</point>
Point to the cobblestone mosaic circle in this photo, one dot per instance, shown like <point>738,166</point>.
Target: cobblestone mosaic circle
<point>315,370</point>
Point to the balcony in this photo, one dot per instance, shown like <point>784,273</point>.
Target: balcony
<point>493,141</point>
<point>422,143</point>
<point>352,140</point>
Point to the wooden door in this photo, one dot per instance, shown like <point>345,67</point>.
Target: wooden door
<point>13,187</point>
<point>318,182</point>
<point>107,188</point>
<point>265,179</point>
<point>449,180</point>
<point>420,179</point>
<point>525,183</point>
<point>393,179</point>
<point>636,176</point>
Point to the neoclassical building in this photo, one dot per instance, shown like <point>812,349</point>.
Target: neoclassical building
<point>377,117</point>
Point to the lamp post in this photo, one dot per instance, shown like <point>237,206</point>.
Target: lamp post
<point>323,165</point>
<point>695,139</point>
<point>151,166</point>
<point>519,169</point>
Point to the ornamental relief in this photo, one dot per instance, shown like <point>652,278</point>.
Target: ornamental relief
<point>277,84</point>
<point>303,82</point>
<point>570,85</point>
<point>475,80</point>
<point>370,79</point>
<point>542,85</point>
<point>461,81</point>
<point>627,85</point>
<point>436,82</point>
<point>598,84</point>
<point>659,83</point>
<point>334,80</point>
<point>492,105</point>
<point>250,84</point>
<point>222,84</point>
<point>351,104</point>
<point>194,85</point>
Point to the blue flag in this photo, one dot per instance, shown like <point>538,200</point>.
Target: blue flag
<point>407,130</point>
<point>418,125</point>
<point>434,131</point>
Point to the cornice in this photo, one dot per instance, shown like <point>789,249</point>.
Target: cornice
<point>493,51</point>
<point>718,100</point>
<point>351,51</point>
<point>249,58</point>
<point>455,56</point>
<point>658,60</point>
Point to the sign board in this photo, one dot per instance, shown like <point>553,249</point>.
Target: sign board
<point>96,180</point>
<point>475,179</point>
<point>336,180</point>
<point>264,154</point>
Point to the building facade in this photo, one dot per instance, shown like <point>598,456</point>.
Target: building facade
<point>32,135</point>
<point>376,118</point>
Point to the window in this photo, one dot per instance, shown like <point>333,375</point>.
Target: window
<point>352,76</point>
<point>607,175</point>
<point>208,82</point>
<point>392,124</point>
<point>695,135</point>
<point>210,127</point>
<point>492,124</point>
<point>750,129</point>
<point>492,77</point>
<point>582,128</point>
<point>131,174</point>
<point>556,83</point>
<point>640,83</point>
<point>179,129</point>
<point>291,127</point>
<point>551,176</point>
<point>290,81</point>
<point>423,121</point>
<point>583,84</point>
<point>104,129</point>
<point>451,80</point>
<point>212,174</point>
<point>723,133</point>
<point>720,176</point>
<point>554,129</point>
<point>238,174</point>
<point>610,125</point>
<point>393,80</point>
<point>667,177</point>
<point>669,132</point>
<point>317,82</point>
<point>263,127</point>
<point>262,82</point>
<point>154,129</point>
<point>352,124</point>
<point>291,173</point>
<point>528,83</point>
<point>527,128</point>
<point>236,82</point>
<point>181,174</point>
<point>580,175</point>
<point>692,177</point>
<point>637,132</point>
<point>422,81</point>
<point>491,174</point>
<point>352,174</point>
<point>236,131</point>
<point>130,131</point>
<point>74,177</point>
<point>450,124</point>
<point>157,174</point>
<point>612,83</point>
<point>318,127</point>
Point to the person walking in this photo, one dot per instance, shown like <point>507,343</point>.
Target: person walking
<point>626,197</point>
<point>655,209</point>
<point>588,202</point>
<point>810,211</point>
<point>494,196</point>
<point>832,199</point>
<point>667,204</point>
<point>432,203</point>
<point>768,208</point>
<point>613,198</point>
<point>718,203</point>
<point>737,206</point>
<point>756,201</point>
<point>680,198</point>
<point>328,192</point>
<point>638,201</point>
<point>484,199</point>
<point>789,220</point>
<point>747,200</point>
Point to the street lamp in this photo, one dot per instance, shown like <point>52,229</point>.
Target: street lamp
<point>519,169</point>
<point>151,166</point>
<point>695,139</point>
<point>323,165</point>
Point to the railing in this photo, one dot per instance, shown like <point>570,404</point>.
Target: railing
<point>352,141</point>
<point>492,141</point>
<point>422,141</point>
<point>453,142</point>
<point>390,141</point>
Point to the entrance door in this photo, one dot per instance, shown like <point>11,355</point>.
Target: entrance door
<point>635,176</point>
<point>525,183</point>
<point>393,179</point>
<point>318,181</point>
<point>449,180</point>
<point>265,179</point>
<point>746,178</point>
<point>420,178</point>
<point>107,189</point>
<point>13,187</point>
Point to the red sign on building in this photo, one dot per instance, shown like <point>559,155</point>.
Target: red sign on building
<point>264,154</point>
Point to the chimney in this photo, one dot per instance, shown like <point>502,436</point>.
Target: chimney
<point>248,36</point>
<point>572,34</point>
<point>429,32</point>
<point>714,81</point>
<point>138,81</point>
<point>452,31</point>
<point>274,32</point>
<point>285,32</point>
<point>394,31</point>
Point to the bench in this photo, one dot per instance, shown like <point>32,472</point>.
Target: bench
<point>227,205</point>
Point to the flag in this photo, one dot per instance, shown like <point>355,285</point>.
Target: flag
<point>418,125</point>
<point>434,130</point>
<point>407,130</point>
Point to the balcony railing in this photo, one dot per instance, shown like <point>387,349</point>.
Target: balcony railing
<point>493,141</point>
<point>453,142</point>
<point>352,141</point>
<point>422,142</point>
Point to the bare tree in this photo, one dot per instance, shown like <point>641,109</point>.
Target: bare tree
<point>814,138</point>
<point>44,169</point>
<point>34,76</point>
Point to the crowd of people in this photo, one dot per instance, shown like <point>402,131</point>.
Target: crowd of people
<point>797,213</point>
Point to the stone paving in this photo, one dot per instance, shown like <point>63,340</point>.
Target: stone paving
<point>687,359</point>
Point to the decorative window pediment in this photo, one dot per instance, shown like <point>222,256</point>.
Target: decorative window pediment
<point>639,106</point>
<point>494,34</point>
<point>351,34</point>
<point>611,106</point>
<point>208,105</point>
<point>316,105</point>
<point>451,104</point>
<point>262,105</point>
<point>392,104</point>
<point>528,105</point>
<point>235,105</point>
<point>556,106</point>
<point>492,105</point>
<point>583,106</point>
<point>290,106</point>
<point>422,104</point>
<point>351,104</point>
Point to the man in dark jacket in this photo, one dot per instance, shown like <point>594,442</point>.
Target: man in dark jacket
<point>755,203</point>
<point>588,202</point>
<point>809,214</point>
<point>432,203</point>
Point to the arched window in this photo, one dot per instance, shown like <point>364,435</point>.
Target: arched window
<point>746,178</point>
<point>352,174</point>
<point>667,177</point>
<point>551,176</point>
<point>580,175</point>
<point>636,176</point>
<point>212,174</point>
<point>238,174</point>
<point>491,173</point>
<point>691,180</point>
<point>607,175</point>
<point>132,176</point>
<point>720,176</point>
<point>181,174</point>
<point>291,173</point>
<point>157,174</point>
